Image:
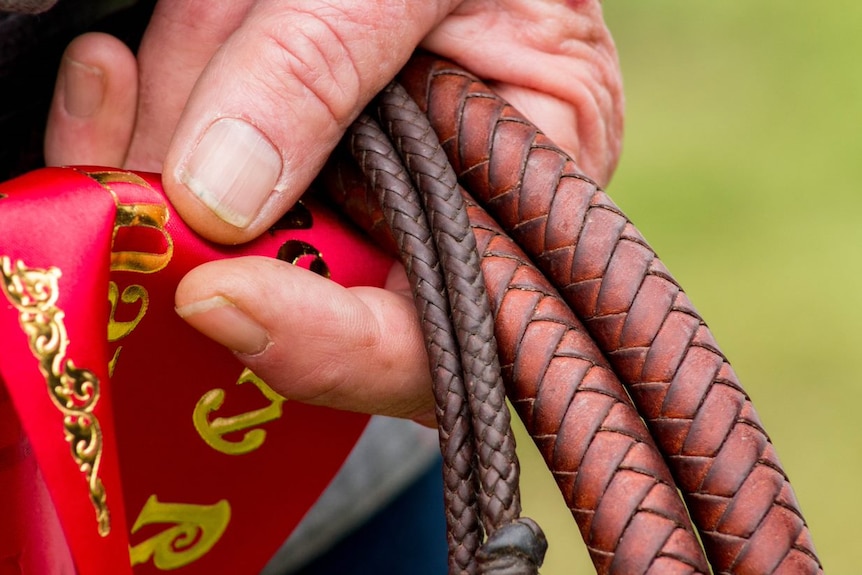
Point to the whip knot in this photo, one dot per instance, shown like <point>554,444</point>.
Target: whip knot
<point>517,548</point>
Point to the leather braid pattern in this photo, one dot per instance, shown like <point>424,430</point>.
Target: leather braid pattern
<point>609,471</point>
<point>406,219</point>
<point>499,498</point>
<point>702,420</point>
<point>605,463</point>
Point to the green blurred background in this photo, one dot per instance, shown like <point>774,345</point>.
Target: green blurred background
<point>742,168</point>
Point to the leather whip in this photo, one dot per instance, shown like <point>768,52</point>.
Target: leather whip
<point>652,441</point>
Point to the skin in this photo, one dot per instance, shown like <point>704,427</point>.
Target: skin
<point>299,72</point>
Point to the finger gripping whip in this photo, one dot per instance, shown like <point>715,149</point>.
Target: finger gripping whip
<point>616,376</point>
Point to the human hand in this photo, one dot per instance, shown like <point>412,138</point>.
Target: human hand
<point>240,103</point>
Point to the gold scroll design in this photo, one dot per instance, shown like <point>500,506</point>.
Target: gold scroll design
<point>74,391</point>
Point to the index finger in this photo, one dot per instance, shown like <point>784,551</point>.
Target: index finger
<point>274,101</point>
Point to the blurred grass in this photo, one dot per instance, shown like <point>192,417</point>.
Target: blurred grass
<point>742,169</point>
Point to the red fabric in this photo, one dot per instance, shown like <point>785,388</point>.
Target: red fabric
<point>97,227</point>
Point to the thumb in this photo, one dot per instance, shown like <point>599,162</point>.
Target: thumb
<point>312,340</point>
<point>274,100</point>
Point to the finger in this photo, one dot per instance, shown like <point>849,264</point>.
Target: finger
<point>180,39</point>
<point>274,101</point>
<point>561,50</point>
<point>311,340</point>
<point>93,110</point>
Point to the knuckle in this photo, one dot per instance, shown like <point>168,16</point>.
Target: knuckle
<point>314,64</point>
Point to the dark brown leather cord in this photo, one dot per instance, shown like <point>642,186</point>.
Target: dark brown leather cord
<point>465,299</point>
<point>406,219</point>
<point>499,498</point>
<point>577,412</point>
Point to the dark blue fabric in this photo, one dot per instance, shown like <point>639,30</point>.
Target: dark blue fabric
<point>407,536</point>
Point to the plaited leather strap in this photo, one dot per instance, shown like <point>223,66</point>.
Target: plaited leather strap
<point>405,216</point>
<point>602,293</point>
<point>439,253</point>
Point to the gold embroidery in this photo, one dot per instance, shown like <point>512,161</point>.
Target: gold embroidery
<point>197,528</point>
<point>74,391</point>
<point>213,432</point>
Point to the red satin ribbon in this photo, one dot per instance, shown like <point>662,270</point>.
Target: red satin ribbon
<point>151,446</point>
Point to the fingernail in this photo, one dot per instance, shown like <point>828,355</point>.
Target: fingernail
<point>233,170</point>
<point>222,321</point>
<point>83,88</point>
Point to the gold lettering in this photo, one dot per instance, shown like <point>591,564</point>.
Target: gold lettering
<point>112,365</point>
<point>119,329</point>
<point>197,528</point>
<point>298,217</point>
<point>118,177</point>
<point>148,216</point>
<point>213,432</point>
<point>292,251</point>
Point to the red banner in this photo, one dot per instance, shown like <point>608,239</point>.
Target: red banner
<point>151,449</point>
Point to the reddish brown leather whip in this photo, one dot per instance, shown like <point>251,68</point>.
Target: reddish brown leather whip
<point>616,376</point>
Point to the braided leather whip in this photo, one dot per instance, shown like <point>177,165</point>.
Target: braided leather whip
<point>615,375</point>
